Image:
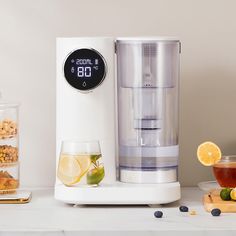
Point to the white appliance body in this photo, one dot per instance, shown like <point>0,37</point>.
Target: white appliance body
<point>91,115</point>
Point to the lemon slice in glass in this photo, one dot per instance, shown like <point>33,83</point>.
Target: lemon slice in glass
<point>69,170</point>
<point>208,153</point>
<point>84,162</point>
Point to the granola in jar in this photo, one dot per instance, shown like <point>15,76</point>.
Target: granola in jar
<point>8,129</point>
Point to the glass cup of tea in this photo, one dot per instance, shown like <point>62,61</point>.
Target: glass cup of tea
<point>225,171</point>
<point>80,163</point>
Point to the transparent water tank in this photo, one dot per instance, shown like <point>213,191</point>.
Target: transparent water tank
<point>148,75</point>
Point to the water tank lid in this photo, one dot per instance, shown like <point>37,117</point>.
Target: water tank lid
<point>147,39</point>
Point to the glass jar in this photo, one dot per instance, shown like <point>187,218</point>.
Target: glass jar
<point>9,148</point>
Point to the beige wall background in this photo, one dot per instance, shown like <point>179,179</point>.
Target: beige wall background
<point>28,29</point>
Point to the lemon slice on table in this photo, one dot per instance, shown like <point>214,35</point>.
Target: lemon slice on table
<point>208,153</point>
<point>84,162</point>
<point>233,194</point>
<point>69,170</point>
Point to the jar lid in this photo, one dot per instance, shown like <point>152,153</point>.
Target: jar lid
<point>5,104</point>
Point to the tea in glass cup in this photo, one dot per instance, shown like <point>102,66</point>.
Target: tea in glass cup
<point>80,163</point>
<point>225,171</point>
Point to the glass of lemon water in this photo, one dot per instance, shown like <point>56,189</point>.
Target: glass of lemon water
<point>80,163</point>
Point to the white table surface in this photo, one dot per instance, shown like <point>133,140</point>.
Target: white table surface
<point>46,216</point>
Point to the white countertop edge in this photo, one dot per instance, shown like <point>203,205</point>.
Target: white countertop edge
<point>46,216</point>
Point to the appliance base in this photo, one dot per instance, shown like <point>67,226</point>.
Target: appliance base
<point>119,194</point>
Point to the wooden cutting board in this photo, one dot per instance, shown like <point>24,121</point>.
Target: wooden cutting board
<point>212,200</point>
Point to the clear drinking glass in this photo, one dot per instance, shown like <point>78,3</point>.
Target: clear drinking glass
<point>80,163</point>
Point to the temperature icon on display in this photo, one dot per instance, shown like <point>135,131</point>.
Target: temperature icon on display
<point>96,62</point>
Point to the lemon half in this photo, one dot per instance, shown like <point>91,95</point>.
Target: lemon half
<point>233,194</point>
<point>208,153</point>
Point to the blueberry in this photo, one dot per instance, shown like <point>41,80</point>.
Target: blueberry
<point>158,214</point>
<point>183,209</point>
<point>216,212</point>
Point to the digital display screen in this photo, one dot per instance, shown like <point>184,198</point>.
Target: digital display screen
<point>85,69</point>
